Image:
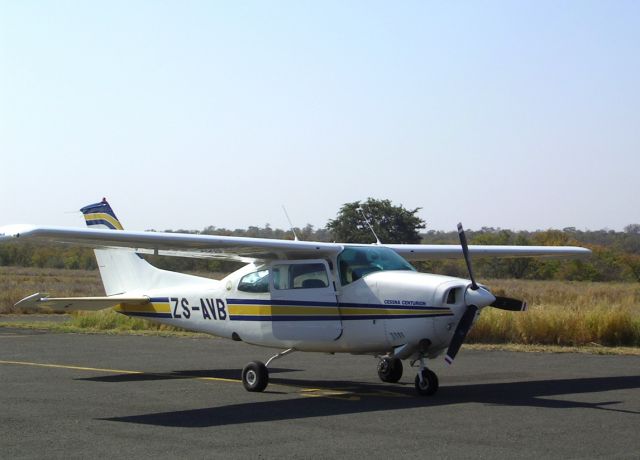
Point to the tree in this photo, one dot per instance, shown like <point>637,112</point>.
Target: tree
<point>633,228</point>
<point>392,224</point>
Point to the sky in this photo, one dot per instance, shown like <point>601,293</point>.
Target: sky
<point>521,115</point>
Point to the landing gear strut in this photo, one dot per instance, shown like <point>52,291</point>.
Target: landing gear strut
<point>389,369</point>
<point>255,375</point>
<point>426,380</point>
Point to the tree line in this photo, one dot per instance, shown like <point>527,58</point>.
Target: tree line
<point>616,255</point>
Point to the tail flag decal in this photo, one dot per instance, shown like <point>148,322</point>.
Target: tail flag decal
<point>101,215</point>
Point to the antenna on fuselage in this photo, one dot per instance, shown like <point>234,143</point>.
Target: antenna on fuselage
<point>369,225</point>
<point>295,236</point>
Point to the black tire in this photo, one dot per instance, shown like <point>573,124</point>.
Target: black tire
<point>390,369</point>
<point>429,384</point>
<point>255,376</point>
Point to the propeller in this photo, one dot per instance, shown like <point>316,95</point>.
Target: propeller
<point>476,297</point>
<point>467,258</point>
<point>509,304</point>
<point>461,332</point>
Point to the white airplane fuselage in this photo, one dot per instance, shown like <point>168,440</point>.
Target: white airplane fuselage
<point>373,314</point>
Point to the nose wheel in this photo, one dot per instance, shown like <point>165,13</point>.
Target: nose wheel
<point>426,380</point>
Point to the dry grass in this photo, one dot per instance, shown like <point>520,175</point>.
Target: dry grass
<point>16,283</point>
<point>564,313</point>
<point>109,320</point>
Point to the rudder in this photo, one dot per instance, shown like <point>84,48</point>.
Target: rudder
<point>123,270</point>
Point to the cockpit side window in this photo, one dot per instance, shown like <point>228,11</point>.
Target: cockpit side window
<point>300,276</point>
<point>255,282</point>
<point>357,262</point>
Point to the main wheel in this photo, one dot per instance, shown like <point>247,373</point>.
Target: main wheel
<point>390,369</point>
<point>428,385</point>
<point>255,376</point>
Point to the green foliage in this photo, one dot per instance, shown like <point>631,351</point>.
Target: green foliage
<point>392,224</point>
<point>616,255</point>
<point>47,256</point>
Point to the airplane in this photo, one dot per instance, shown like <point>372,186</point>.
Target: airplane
<point>364,299</point>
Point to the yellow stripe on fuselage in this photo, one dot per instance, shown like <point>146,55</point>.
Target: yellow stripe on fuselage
<point>156,307</point>
<point>303,310</point>
<point>269,310</point>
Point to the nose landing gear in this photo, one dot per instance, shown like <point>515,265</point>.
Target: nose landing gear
<point>426,381</point>
<point>390,371</point>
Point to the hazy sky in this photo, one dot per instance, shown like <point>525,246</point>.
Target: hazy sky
<point>511,114</point>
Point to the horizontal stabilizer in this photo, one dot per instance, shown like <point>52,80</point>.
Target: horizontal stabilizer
<point>79,303</point>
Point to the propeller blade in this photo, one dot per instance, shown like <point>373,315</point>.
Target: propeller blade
<point>461,333</point>
<point>467,258</point>
<point>507,303</point>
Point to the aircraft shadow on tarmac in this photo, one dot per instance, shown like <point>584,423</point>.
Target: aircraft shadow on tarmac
<point>335,400</point>
<point>231,374</point>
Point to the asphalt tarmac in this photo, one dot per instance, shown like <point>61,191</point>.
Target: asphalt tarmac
<point>82,396</point>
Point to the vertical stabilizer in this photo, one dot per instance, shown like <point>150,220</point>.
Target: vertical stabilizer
<point>123,270</point>
<point>100,215</point>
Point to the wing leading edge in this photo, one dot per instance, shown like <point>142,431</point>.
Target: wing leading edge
<point>417,252</point>
<point>251,249</point>
<point>175,244</point>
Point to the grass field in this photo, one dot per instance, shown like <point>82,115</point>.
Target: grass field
<point>563,313</point>
<point>17,283</point>
<point>560,313</point>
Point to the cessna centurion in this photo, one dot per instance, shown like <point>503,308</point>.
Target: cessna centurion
<point>291,295</point>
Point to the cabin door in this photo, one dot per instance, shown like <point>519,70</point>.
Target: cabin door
<point>303,301</point>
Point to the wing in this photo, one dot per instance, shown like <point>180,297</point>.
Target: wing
<point>417,252</point>
<point>251,249</point>
<point>80,303</point>
<point>175,244</point>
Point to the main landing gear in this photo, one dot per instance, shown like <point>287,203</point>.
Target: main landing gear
<point>255,375</point>
<point>389,369</point>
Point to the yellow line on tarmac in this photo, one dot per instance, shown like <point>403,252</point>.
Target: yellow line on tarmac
<point>308,392</point>
<point>77,368</point>
<point>110,371</point>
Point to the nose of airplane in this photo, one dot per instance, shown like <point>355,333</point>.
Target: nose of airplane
<point>480,297</point>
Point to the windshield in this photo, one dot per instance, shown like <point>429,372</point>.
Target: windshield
<point>357,262</point>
